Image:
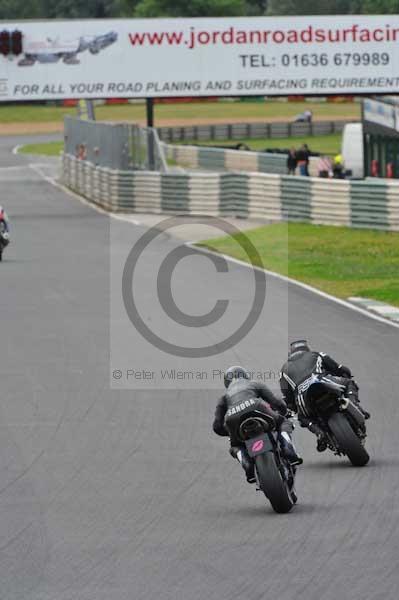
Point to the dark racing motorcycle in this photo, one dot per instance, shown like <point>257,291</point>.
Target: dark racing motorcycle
<point>4,239</point>
<point>275,476</point>
<point>339,417</point>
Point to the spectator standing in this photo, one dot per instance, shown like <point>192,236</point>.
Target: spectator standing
<point>291,162</point>
<point>307,158</point>
<point>302,156</point>
<point>83,152</point>
<point>338,167</point>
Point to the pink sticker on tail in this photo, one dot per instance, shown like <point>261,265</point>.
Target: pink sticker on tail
<point>257,446</point>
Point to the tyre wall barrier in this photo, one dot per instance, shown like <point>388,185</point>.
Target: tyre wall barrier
<point>365,204</point>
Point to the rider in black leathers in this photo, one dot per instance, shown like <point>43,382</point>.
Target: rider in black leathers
<point>239,387</point>
<point>301,364</point>
<point>4,220</point>
<point>4,231</point>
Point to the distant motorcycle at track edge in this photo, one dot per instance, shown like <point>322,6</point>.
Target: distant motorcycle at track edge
<point>4,239</point>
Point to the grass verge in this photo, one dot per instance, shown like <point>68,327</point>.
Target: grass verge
<point>184,112</point>
<point>47,148</point>
<point>341,261</point>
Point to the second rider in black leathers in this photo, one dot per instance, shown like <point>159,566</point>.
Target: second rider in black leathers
<point>301,364</point>
<point>239,388</point>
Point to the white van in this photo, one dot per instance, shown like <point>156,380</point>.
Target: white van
<point>352,149</point>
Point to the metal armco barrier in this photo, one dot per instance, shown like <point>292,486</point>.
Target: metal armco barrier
<point>239,131</point>
<point>361,204</point>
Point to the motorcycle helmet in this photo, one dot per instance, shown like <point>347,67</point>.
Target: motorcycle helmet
<point>235,373</point>
<point>299,346</point>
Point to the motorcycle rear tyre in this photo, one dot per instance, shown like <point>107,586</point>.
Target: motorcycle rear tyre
<point>272,483</point>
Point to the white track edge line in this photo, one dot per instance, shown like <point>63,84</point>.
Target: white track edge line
<point>13,168</point>
<point>300,284</point>
<point>36,167</point>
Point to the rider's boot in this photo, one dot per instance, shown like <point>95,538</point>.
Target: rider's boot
<point>321,436</point>
<point>321,443</point>
<point>247,464</point>
<point>289,450</point>
<point>352,393</point>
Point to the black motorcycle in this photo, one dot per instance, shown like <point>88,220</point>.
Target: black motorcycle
<point>275,476</point>
<point>339,417</point>
<point>4,239</point>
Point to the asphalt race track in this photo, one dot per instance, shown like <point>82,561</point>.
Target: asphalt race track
<point>89,510</point>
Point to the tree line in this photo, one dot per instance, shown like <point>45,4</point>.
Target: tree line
<point>69,9</point>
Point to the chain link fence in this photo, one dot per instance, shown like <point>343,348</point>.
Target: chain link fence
<point>118,146</point>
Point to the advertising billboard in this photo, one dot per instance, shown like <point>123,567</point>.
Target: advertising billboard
<point>380,113</point>
<point>136,58</point>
